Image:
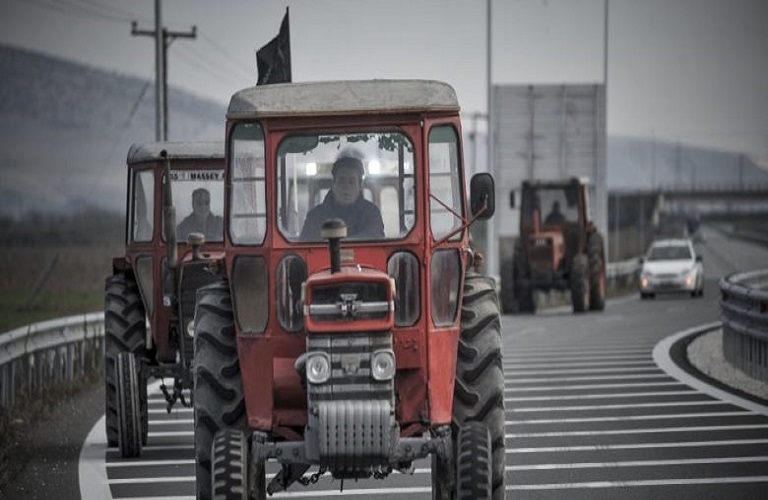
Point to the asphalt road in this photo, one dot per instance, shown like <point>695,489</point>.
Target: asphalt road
<point>589,415</point>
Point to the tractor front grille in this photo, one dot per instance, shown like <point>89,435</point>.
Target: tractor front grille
<point>194,275</point>
<point>351,427</point>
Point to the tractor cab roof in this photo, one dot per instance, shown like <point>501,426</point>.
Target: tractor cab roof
<point>191,150</point>
<point>343,98</point>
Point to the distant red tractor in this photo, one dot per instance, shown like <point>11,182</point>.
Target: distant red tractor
<point>150,296</point>
<point>364,347</point>
<point>559,248</point>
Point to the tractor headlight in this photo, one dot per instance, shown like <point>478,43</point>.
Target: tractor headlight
<point>318,368</point>
<point>383,365</point>
<point>191,328</point>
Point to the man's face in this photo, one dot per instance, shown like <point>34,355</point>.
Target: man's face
<point>201,204</point>
<point>346,186</point>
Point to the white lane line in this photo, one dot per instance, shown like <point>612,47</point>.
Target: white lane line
<point>92,472</point>
<point>636,446</point>
<point>658,430</point>
<point>662,358</point>
<point>553,370</point>
<point>523,360</point>
<point>603,396</point>
<point>603,350</point>
<point>173,447</point>
<point>639,463</point>
<point>513,381</point>
<point>147,463</point>
<point>640,483</point>
<point>648,361</point>
<point>632,418</point>
<point>187,421</point>
<point>616,407</point>
<point>151,480</point>
<point>592,386</point>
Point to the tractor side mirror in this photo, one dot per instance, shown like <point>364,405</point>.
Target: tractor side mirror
<point>482,195</point>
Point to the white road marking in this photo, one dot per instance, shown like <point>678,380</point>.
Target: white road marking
<point>604,396</point>
<point>591,386</point>
<point>512,381</point>
<point>639,463</point>
<point>631,418</point>
<point>641,483</point>
<point>609,432</point>
<point>663,359</point>
<point>615,407</point>
<point>637,446</point>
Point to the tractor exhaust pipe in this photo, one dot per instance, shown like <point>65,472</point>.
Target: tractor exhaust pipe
<point>334,230</point>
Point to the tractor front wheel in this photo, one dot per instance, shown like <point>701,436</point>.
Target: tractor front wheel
<point>596,257</point>
<point>129,405</point>
<point>479,386</point>
<point>230,471</point>
<point>474,466</point>
<point>580,284</point>
<point>124,331</point>
<point>219,404</point>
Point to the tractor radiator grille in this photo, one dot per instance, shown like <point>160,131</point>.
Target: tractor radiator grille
<point>352,423</point>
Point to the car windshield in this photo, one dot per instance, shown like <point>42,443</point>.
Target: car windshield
<point>670,252</point>
<point>365,178</point>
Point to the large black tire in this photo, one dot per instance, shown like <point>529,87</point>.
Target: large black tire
<point>473,467</point>
<point>508,298</point>
<point>230,475</point>
<point>124,331</point>
<point>524,294</point>
<point>479,387</point>
<point>219,403</point>
<point>580,283</point>
<point>596,257</point>
<point>129,405</point>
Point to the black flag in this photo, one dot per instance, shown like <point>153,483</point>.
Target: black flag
<point>273,60</point>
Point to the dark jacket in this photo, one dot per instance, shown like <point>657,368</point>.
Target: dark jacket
<point>213,228</point>
<point>362,218</point>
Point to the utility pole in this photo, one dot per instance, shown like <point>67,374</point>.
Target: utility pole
<point>163,39</point>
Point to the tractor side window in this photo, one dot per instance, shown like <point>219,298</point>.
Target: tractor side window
<point>445,201</point>
<point>364,178</point>
<point>142,204</point>
<point>247,210</point>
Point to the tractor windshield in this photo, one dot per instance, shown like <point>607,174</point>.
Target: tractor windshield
<point>199,199</point>
<point>364,178</point>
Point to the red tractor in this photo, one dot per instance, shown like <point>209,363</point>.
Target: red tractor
<point>559,248</point>
<point>364,343</point>
<point>150,296</point>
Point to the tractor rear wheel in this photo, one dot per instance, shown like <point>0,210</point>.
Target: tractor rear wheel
<point>474,467</point>
<point>129,405</point>
<point>508,297</point>
<point>124,331</point>
<point>524,294</point>
<point>219,404</point>
<point>580,283</point>
<point>479,386</point>
<point>596,257</point>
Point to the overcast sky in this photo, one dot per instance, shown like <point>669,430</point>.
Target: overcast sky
<point>694,71</point>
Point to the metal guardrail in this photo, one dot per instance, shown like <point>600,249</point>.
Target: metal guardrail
<point>744,313</point>
<point>48,354</point>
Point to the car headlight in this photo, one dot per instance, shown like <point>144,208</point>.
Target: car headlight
<point>383,365</point>
<point>318,368</point>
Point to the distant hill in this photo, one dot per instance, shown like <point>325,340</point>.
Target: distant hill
<point>635,164</point>
<point>65,130</point>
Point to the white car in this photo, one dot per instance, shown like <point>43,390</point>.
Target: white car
<point>671,266</point>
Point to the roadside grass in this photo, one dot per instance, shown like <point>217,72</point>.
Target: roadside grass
<point>38,283</point>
